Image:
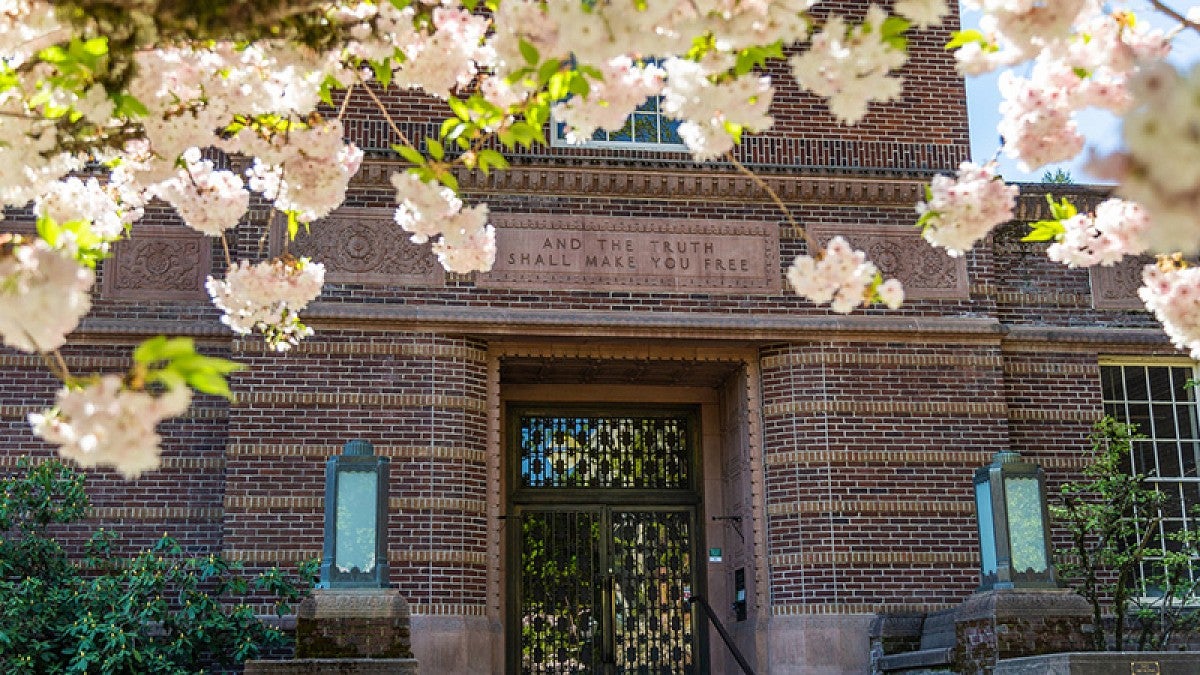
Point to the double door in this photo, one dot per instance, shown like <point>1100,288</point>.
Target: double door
<point>603,539</point>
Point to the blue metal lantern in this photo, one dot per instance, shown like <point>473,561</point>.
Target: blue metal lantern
<point>1014,532</point>
<point>356,499</point>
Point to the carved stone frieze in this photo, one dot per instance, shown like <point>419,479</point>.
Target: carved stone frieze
<point>927,273</point>
<point>362,246</point>
<point>659,183</point>
<point>159,263</point>
<point>1116,286</point>
<point>635,254</point>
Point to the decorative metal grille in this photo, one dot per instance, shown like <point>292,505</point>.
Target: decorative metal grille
<point>560,587</point>
<point>652,570</point>
<point>605,452</point>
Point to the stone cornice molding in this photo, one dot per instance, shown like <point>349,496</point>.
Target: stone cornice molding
<point>667,184</point>
<point>673,325</point>
<point>1089,338</point>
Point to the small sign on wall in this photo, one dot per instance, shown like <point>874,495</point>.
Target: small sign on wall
<point>714,555</point>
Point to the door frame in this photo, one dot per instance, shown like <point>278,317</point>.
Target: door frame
<point>603,500</point>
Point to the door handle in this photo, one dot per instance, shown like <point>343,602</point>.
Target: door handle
<point>609,626</point>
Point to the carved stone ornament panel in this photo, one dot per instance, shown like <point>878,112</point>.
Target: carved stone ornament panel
<point>926,272</point>
<point>1116,286</point>
<point>542,251</point>
<point>362,246</point>
<point>157,264</point>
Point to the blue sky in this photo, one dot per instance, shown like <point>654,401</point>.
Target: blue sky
<point>1101,129</point>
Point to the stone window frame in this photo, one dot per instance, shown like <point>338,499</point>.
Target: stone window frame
<point>1171,473</point>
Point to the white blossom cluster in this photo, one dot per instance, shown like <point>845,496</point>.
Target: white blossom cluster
<point>851,65</point>
<point>710,110</point>
<point>75,199</point>
<point>207,200</point>
<point>1170,292</point>
<point>427,210</point>
<point>1158,167</point>
<point>268,297</point>
<point>964,209</point>
<point>1114,231</point>
<point>625,86</point>
<point>843,277</point>
<point>43,295</point>
<point>105,424</point>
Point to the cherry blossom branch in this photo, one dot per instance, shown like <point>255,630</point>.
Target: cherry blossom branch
<point>387,116</point>
<point>225,247</point>
<point>1174,14</point>
<point>345,101</point>
<point>56,365</point>
<point>813,245</point>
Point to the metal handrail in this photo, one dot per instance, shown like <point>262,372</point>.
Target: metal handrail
<point>712,617</point>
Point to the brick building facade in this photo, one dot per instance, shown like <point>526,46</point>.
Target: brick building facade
<point>831,455</point>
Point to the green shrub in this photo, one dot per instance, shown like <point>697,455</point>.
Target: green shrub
<point>158,612</point>
<point>1142,588</point>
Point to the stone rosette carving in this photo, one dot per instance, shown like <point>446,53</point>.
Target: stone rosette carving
<point>159,264</point>
<point>554,251</point>
<point>362,246</point>
<point>926,272</point>
<point>1116,286</point>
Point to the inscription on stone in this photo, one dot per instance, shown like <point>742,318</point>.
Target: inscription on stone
<point>927,273</point>
<point>638,254</point>
<point>362,246</point>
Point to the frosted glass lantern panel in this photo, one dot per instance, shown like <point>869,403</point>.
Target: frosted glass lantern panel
<point>1025,534</point>
<point>356,515</point>
<point>987,531</point>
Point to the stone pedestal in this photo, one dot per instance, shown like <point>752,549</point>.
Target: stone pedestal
<point>350,632</point>
<point>1004,624</point>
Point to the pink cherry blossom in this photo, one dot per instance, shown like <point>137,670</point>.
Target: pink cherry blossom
<point>104,424</point>
<point>964,209</point>
<point>43,295</point>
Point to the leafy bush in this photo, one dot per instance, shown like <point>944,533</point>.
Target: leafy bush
<point>157,612</point>
<point>1118,559</point>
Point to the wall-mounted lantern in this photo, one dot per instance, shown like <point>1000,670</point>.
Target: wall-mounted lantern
<point>356,499</point>
<point>1014,532</point>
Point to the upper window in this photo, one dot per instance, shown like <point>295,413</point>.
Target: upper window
<point>646,129</point>
<point>1162,405</point>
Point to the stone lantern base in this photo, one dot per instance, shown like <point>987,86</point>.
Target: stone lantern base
<point>348,632</point>
<point>1003,624</point>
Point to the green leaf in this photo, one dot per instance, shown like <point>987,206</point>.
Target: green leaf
<point>894,26</point>
<point>548,70</point>
<point>459,108</point>
<point>528,52</point>
<point>129,106</point>
<point>1063,210</point>
<point>1045,230</point>
<point>434,147</point>
<point>409,153</point>
<point>961,38</point>
<point>162,348</point>
<point>491,159</point>
<point>383,71</point>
